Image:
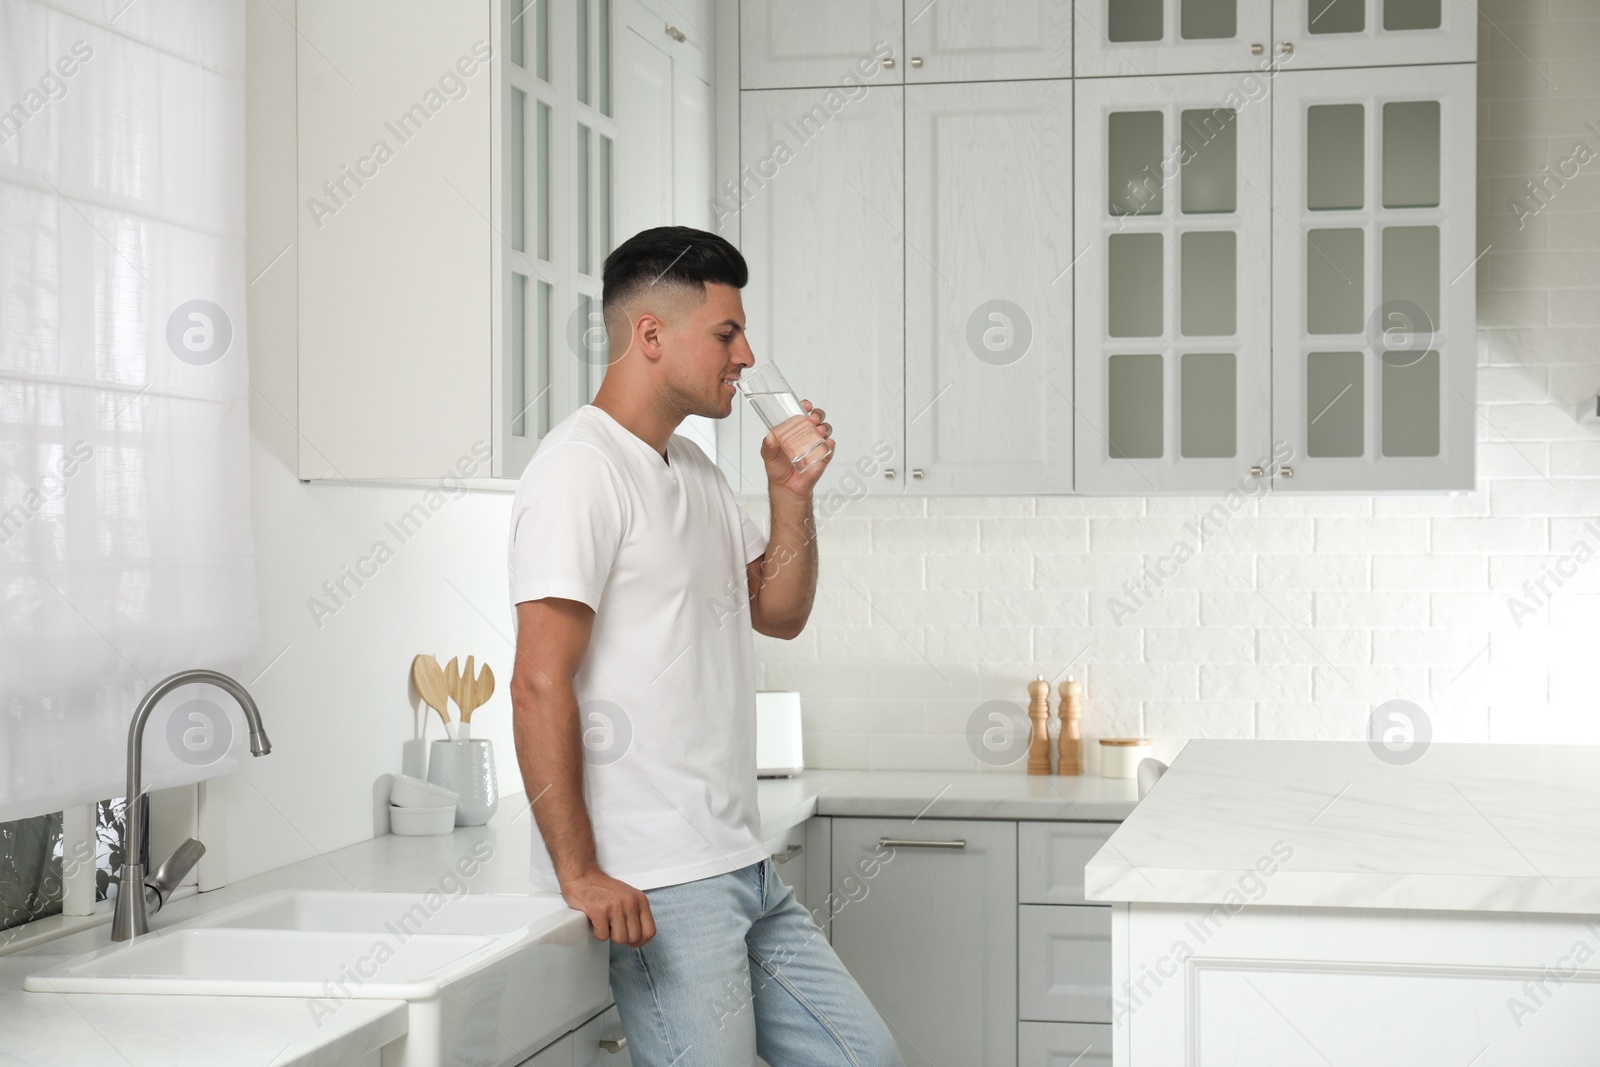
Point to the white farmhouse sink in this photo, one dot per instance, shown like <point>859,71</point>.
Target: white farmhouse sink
<point>488,979</point>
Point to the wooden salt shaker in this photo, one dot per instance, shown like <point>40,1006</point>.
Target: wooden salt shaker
<point>1039,737</point>
<point>1070,760</point>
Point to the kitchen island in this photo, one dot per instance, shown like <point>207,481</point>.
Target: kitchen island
<point>1313,903</point>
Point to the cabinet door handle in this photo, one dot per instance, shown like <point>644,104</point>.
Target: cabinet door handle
<point>1286,48</point>
<point>888,64</point>
<point>888,472</point>
<point>910,842</point>
<point>1287,472</point>
<point>676,34</point>
<point>1256,472</point>
<point>916,61</point>
<point>788,854</point>
<point>613,1044</point>
<point>1257,48</point>
<point>916,472</point>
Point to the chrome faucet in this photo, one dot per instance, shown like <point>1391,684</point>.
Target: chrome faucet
<point>137,896</point>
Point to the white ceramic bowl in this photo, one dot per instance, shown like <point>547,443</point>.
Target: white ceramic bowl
<point>422,822</point>
<point>409,792</point>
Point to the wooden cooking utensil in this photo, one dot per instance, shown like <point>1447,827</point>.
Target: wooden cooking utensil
<point>482,688</point>
<point>452,682</point>
<point>429,679</point>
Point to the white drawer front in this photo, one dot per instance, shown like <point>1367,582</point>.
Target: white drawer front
<point>1063,1045</point>
<point>1051,856</point>
<point>1063,963</point>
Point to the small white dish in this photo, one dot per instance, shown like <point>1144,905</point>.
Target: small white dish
<point>422,822</point>
<point>409,792</point>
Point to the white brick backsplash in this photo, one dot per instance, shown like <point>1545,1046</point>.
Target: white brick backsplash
<point>1311,646</point>
<point>1033,535</point>
<point>1560,573</point>
<point>1255,682</point>
<point>1118,681</point>
<point>1302,611</point>
<point>1481,536</point>
<point>1206,645</point>
<point>1314,571</point>
<point>1370,610</point>
<point>1372,535</point>
<point>980,572</point>
<point>1464,573</point>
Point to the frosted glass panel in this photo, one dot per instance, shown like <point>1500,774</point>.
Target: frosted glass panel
<point>1133,20</point>
<point>582,73</point>
<point>1208,405</point>
<point>1411,14</point>
<point>604,72</point>
<point>1210,162</point>
<point>1134,281</point>
<point>605,196</point>
<point>583,221</point>
<point>517,158</point>
<point>1134,392</point>
<point>518,356</point>
<point>585,390</point>
<point>542,176</point>
<point>1208,19</point>
<point>1411,154</point>
<point>1335,156</point>
<point>541,378</point>
<point>1410,408</point>
<point>1208,284</point>
<point>516,35</point>
<point>1336,16</point>
<point>1334,277</point>
<point>1133,161</point>
<point>1411,277</point>
<point>1335,421</point>
<point>541,39</point>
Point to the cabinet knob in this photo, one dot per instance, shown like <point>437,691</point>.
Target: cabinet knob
<point>613,1044</point>
<point>1287,472</point>
<point>1256,472</point>
<point>1257,48</point>
<point>888,64</point>
<point>676,34</point>
<point>916,472</point>
<point>888,472</point>
<point>916,61</point>
<point>1286,48</point>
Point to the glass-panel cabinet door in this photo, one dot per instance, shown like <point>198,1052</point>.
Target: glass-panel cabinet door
<point>1172,282</point>
<point>1365,33</point>
<point>1147,37</point>
<point>1374,332</point>
<point>988,298</point>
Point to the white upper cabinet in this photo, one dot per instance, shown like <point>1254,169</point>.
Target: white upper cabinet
<point>1375,344</point>
<point>987,40</point>
<point>794,43</point>
<point>1173,382</point>
<point>1367,33</point>
<point>988,236</point>
<point>820,226</point>
<point>1150,37</point>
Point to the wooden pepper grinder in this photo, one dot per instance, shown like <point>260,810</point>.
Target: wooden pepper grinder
<point>1070,743</point>
<point>1039,737</point>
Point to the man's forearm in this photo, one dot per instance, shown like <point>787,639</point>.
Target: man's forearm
<point>549,741</point>
<point>789,572</point>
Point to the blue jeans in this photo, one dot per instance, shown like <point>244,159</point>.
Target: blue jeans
<point>739,967</point>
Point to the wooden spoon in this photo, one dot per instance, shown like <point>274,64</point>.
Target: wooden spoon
<point>428,677</point>
<point>452,682</point>
<point>482,688</point>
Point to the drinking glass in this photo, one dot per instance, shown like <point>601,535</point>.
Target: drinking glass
<point>798,438</point>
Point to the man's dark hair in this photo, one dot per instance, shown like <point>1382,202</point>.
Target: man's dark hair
<point>672,256</point>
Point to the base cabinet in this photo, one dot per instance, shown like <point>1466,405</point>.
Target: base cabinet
<point>597,1043</point>
<point>1063,1045</point>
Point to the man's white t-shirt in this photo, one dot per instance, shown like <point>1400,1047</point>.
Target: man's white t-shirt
<point>666,691</point>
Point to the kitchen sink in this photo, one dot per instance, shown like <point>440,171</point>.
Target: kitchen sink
<point>487,978</point>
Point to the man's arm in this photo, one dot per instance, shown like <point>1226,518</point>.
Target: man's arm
<point>783,579</point>
<point>552,636</point>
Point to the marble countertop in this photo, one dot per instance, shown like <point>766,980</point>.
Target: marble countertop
<point>1491,828</point>
<point>78,1030</point>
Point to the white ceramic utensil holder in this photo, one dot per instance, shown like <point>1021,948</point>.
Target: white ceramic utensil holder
<point>467,767</point>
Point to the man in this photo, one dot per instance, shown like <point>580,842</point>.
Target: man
<point>637,580</point>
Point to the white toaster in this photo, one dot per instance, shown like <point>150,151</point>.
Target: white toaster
<point>778,738</point>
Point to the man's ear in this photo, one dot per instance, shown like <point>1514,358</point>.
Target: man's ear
<point>646,335</point>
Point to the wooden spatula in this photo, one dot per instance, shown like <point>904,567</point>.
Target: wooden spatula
<point>480,689</point>
<point>429,679</point>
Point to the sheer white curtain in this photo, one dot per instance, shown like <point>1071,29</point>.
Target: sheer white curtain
<point>125,545</point>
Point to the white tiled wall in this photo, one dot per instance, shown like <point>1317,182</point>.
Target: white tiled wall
<point>1300,614</point>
